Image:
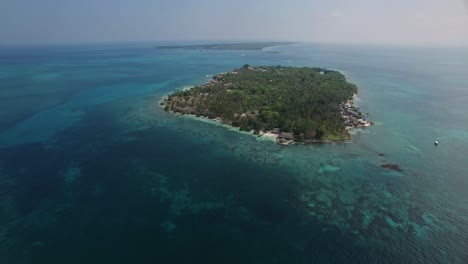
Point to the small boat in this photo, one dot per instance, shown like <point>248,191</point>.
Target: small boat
<point>436,142</point>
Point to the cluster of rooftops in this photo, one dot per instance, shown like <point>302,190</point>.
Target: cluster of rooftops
<point>350,113</point>
<point>283,137</point>
<point>352,116</point>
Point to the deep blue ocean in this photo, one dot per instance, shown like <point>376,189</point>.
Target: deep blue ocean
<point>93,171</point>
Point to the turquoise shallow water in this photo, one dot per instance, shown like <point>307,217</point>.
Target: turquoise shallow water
<point>92,170</point>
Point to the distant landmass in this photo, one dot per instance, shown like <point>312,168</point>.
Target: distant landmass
<point>287,103</point>
<point>231,46</point>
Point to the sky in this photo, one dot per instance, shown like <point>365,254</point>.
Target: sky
<point>433,22</point>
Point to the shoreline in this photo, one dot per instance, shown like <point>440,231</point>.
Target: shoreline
<point>218,122</point>
<point>262,136</point>
<point>351,117</point>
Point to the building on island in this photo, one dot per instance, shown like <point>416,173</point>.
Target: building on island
<point>285,138</point>
<point>276,131</point>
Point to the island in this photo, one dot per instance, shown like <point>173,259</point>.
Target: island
<point>289,104</point>
<point>230,46</point>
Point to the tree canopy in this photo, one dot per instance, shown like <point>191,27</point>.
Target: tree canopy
<point>304,101</point>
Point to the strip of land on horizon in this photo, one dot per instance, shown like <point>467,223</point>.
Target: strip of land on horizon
<point>230,46</point>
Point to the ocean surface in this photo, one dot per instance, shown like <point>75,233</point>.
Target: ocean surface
<point>93,171</point>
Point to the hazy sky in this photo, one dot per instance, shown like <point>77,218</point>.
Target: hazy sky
<point>441,22</point>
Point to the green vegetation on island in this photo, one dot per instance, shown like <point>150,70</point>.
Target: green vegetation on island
<point>297,104</point>
<point>230,46</point>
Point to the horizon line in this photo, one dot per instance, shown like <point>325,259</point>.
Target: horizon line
<point>233,41</point>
